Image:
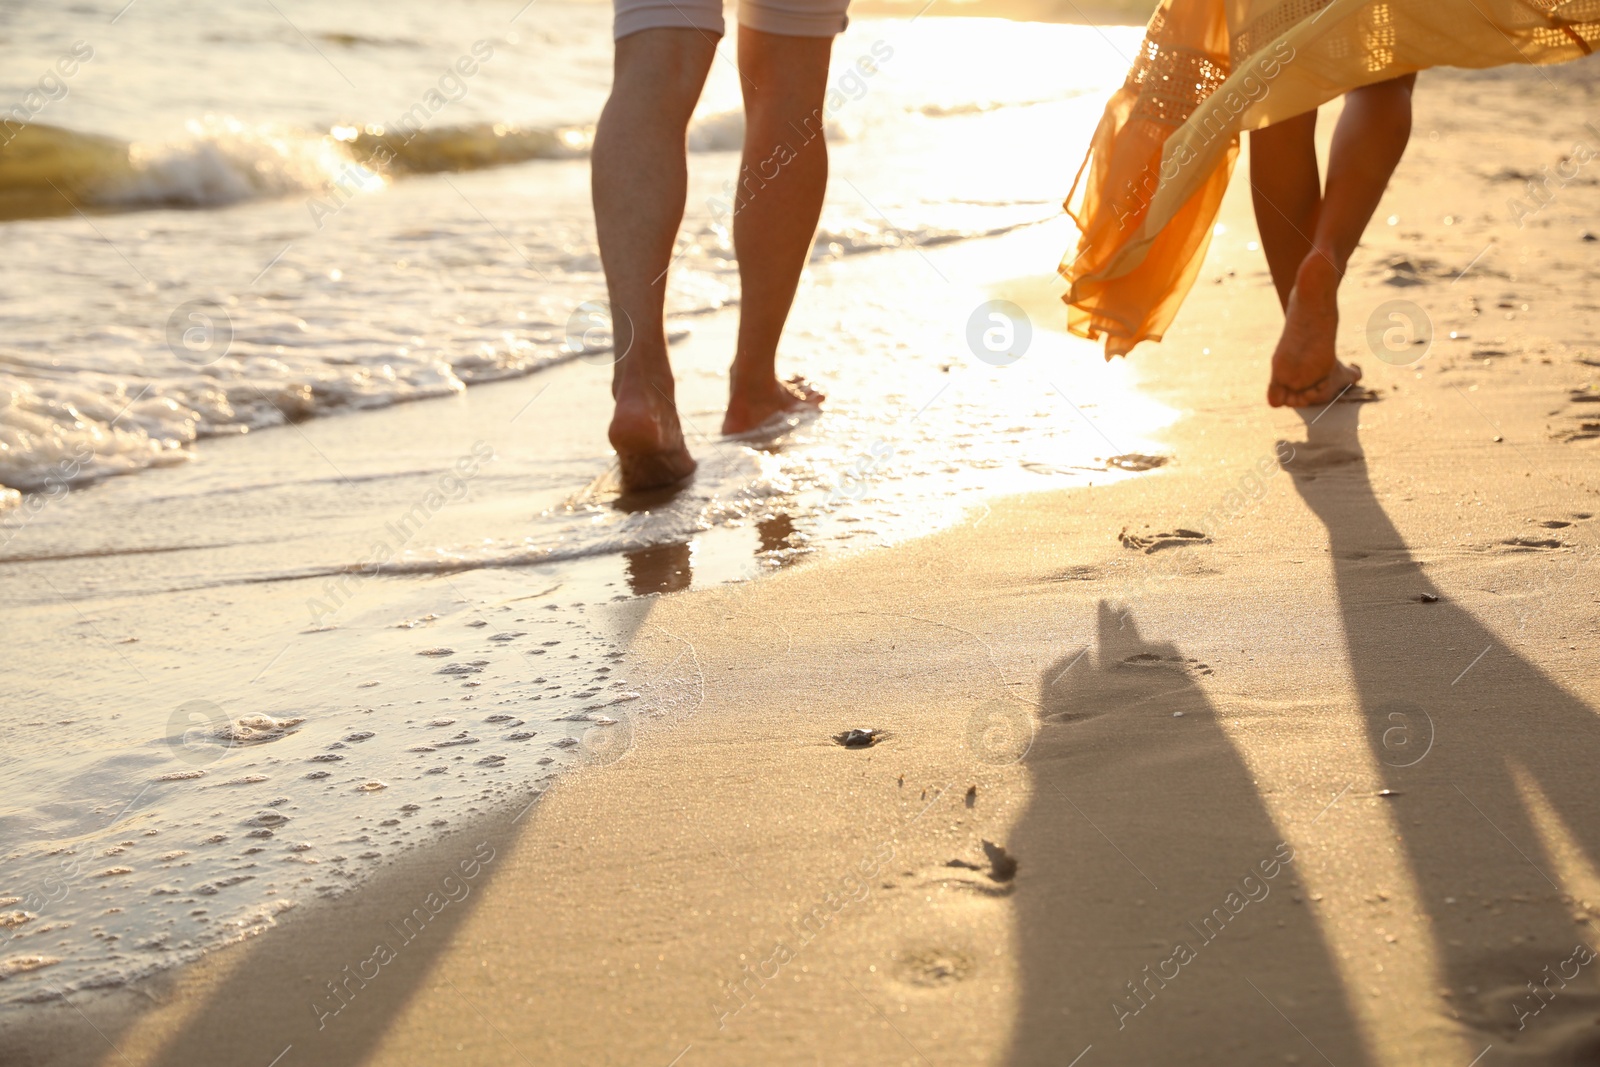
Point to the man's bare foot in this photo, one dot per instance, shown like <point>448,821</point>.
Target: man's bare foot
<point>1305,368</point>
<point>750,407</point>
<point>648,438</point>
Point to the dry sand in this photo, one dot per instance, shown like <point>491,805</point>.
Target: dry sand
<point>1315,786</point>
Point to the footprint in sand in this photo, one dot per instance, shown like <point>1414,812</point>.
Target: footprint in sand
<point>1137,461</point>
<point>1549,1020</point>
<point>991,875</point>
<point>1587,427</point>
<point>1532,544</point>
<point>1572,519</point>
<point>1182,663</point>
<point>964,875</point>
<point>1586,431</point>
<point>1402,272</point>
<point>933,966</point>
<point>1148,543</point>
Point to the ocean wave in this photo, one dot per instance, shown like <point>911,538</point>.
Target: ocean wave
<point>474,146</point>
<point>46,170</point>
<point>982,107</point>
<point>834,242</point>
<point>721,131</point>
<point>49,170</point>
<point>64,426</point>
<point>57,434</point>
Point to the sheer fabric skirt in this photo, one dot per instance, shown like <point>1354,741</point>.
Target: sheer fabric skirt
<point>1147,195</point>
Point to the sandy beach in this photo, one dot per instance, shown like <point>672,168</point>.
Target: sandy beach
<point>1283,752</point>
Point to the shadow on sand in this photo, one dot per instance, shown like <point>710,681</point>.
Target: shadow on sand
<point>1157,927</point>
<point>1162,896</point>
<point>1494,769</point>
<point>318,983</point>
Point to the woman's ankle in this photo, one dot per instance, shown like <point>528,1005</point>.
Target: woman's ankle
<point>1322,269</point>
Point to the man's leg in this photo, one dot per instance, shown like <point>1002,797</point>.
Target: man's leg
<point>1367,146</point>
<point>782,178</point>
<point>640,182</point>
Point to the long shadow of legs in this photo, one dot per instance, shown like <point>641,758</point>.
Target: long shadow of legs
<point>1492,770</point>
<point>1157,902</point>
<point>327,983</point>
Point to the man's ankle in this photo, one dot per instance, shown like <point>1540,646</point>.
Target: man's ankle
<point>648,381</point>
<point>752,380</point>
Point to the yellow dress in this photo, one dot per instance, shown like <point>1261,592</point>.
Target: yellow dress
<point>1147,195</point>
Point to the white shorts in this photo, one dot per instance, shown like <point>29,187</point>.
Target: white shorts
<point>787,18</point>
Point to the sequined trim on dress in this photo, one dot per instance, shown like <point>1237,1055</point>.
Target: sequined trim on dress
<point>1580,27</point>
<point>1270,26</point>
<point>1567,28</point>
<point>1172,81</point>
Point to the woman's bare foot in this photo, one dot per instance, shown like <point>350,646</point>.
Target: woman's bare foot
<point>648,438</point>
<point>750,407</point>
<point>1305,367</point>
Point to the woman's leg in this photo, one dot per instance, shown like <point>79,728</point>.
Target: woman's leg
<point>1367,146</point>
<point>1287,190</point>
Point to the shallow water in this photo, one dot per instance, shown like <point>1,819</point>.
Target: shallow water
<point>332,282</point>
<point>290,648</point>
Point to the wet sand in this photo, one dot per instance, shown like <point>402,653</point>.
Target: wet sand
<point>1282,753</point>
